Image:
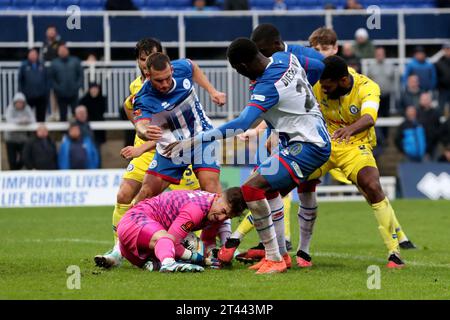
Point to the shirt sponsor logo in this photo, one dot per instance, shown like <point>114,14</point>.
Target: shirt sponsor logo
<point>137,112</point>
<point>188,226</point>
<point>258,97</point>
<point>297,169</point>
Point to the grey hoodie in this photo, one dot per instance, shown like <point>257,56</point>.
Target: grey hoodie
<point>23,116</point>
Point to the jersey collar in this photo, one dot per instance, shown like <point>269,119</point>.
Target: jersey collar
<point>285,47</point>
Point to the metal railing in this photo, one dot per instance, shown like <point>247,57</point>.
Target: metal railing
<point>115,78</point>
<point>181,43</point>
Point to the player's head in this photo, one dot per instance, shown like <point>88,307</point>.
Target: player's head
<point>335,79</point>
<point>160,72</point>
<point>268,39</point>
<point>244,56</point>
<point>143,49</point>
<point>229,204</point>
<point>324,40</point>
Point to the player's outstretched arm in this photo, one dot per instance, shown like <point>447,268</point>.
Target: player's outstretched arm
<point>230,129</point>
<point>200,78</point>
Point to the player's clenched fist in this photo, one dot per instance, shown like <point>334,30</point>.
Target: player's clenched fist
<point>218,97</point>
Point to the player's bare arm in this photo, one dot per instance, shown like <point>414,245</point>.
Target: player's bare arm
<point>131,152</point>
<point>147,132</point>
<point>200,78</point>
<point>362,124</point>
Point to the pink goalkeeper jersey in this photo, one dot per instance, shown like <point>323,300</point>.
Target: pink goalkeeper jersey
<point>179,212</point>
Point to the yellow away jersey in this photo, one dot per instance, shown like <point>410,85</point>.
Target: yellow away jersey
<point>364,98</point>
<point>135,86</point>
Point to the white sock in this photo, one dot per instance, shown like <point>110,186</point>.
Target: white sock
<point>307,214</point>
<point>277,211</point>
<point>225,231</point>
<point>167,261</point>
<point>116,249</point>
<point>264,226</point>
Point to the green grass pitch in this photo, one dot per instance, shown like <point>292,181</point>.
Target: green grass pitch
<point>38,245</point>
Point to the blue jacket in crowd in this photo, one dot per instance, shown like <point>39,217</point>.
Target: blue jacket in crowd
<point>64,156</point>
<point>411,140</point>
<point>34,80</point>
<point>426,72</point>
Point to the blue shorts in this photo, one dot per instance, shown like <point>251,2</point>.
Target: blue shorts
<point>292,165</point>
<point>202,158</point>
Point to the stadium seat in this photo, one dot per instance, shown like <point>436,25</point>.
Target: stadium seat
<point>92,4</point>
<point>23,4</point>
<point>156,4</point>
<point>180,4</point>
<point>67,3</point>
<point>46,4</point>
<point>140,3</point>
<point>4,4</point>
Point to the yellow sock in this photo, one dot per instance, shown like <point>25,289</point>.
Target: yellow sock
<point>287,201</point>
<point>383,214</point>
<point>398,229</point>
<point>245,226</point>
<point>119,212</point>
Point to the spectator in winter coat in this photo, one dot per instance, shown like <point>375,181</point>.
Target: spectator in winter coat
<point>39,152</point>
<point>76,151</point>
<point>35,84</point>
<point>423,69</point>
<point>411,139</point>
<point>67,78</point>
<point>18,112</point>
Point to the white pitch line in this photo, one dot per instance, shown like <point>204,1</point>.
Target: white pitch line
<point>317,254</point>
<point>64,240</point>
<point>367,258</point>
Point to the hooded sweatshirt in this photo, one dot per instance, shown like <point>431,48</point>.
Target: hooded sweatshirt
<point>18,116</point>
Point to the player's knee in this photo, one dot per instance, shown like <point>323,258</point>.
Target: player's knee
<point>124,197</point>
<point>373,190</point>
<point>308,200</point>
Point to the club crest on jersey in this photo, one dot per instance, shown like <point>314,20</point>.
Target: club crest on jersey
<point>130,167</point>
<point>187,227</point>
<point>297,169</point>
<point>186,84</point>
<point>153,164</point>
<point>353,109</point>
<point>295,149</point>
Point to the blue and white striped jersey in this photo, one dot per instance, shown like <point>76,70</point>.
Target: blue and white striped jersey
<point>179,112</point>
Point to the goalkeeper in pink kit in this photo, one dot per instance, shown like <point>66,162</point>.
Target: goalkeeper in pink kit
<point>154,229</point>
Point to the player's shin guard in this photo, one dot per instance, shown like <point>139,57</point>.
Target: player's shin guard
<point>277,211</point>
<point>383,214</point>
<point>259,206</point>
<point>307,213</point>
<point>244,227</point>
<point>119,211</point>
<point>287,203</point>
<point>224,231</point>
<point>164,249</point>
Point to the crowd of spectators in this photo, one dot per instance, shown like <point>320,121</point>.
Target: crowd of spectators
<point>50,84</point>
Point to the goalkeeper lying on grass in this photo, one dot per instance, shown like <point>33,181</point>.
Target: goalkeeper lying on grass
<point>151,233</point>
